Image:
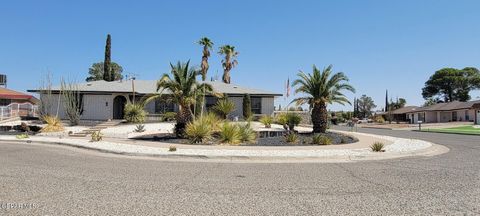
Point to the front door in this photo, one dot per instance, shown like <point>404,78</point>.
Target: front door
<point>119,107</point>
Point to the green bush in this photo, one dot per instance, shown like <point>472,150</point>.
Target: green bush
<point>169,116</point>
<point>134,113</point>
<point>230,133</point>
<point>293,119</point>
<point>379,119</point>
<point>247,133</point>
<point>319,139</point>
<point>267,121</point>
<point>377,147</point>
<point>22,136</point>
<point>281,119</point>
<point>291,138</point>
<point>172,148</point>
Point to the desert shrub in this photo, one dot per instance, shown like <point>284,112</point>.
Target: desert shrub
<point>267,121</point>
<point>199,130</point>
<point>281,119</point>
<point>291,137</point>
<point>379,119</point>
<point>229,133</point>
<point>320,139</point>
<point>140,128</point>
<point>96,136</point>
<point>22,136</point>
<point>172,148</point>
<point>293,119</point>
<point>247,133</point>
<point>54,124</point>
<point>377,147</point>
<point>224,107</point>
<point>134,113</point>
<point>169,116</point>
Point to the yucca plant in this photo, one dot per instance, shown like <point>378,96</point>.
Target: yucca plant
<point>134,113</point>
<point>230,133</point>
<point>199,130</point>
<point>291,137</point>
<point>247,133</point>
<point>54,124</point>
<point>293,119</point>
<point>319,139</point>
<point>377,147</point>
<point>267,121</point>
<point>97,136</point>
<point>140,128</point>
<point>281,119</point>
<point>224,107</point>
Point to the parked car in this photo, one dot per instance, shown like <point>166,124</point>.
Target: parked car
<point>364,121</point>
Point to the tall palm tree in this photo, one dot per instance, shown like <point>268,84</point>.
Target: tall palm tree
<point>229,62</point>
<point>207,46</point>
<point>184,90</point>
<point>321,88</point>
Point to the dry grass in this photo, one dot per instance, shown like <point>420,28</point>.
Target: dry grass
<point>54,124</point>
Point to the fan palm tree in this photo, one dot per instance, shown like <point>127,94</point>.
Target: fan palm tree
<point>207,46</point>
<point>184,90</point>
<point>229,62</point>
<point>321,88</point>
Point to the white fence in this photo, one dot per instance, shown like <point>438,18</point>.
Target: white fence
<point>18,110</point>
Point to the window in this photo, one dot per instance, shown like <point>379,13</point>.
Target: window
<point>210,102</point>
<point>454,116</point>
<point>467,116</point>
<point>256,105</point>
<point>163,107</point>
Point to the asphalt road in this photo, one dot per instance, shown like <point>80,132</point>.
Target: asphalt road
<point>68,181</point>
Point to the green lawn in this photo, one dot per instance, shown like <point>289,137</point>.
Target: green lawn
<point>457,130</point>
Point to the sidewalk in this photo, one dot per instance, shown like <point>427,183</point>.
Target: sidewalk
<point>395,147</point>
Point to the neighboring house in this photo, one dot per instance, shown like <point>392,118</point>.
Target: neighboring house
<point>106,100</point>
<point>399,115</point>
<point>16,104</point>
<point>446,112</point>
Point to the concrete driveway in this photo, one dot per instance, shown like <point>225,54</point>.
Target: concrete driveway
<point>67,181</point>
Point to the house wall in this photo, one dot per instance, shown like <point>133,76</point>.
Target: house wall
<point>430,117</point>
<point>268,105</point>
<point>97,107</point>
<point>445,116</point>
<point>238,111</point>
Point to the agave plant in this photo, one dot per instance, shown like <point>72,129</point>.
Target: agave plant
<point>321,88</point>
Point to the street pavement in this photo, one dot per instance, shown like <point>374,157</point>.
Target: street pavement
<point>54,180</point>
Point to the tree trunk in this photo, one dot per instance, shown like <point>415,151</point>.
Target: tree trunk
<point>184,116</point>
<point>226,76</point>
<point>323,117</point>
<point>316,121</point>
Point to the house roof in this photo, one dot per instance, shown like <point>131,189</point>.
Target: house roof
<point>150,86</point>
<point>404,110</point>
<point>454,105</point>
<point>15,95</point>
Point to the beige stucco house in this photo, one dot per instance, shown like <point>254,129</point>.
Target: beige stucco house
<point>106,100</point>
<point>446,112</point>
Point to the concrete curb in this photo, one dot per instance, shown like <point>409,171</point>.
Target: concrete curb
<point>164,154</point>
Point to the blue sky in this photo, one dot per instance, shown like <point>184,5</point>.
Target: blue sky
<point>394,45</point>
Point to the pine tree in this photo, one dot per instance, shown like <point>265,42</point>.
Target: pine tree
<point>247,106</point>
<point>107,67</point>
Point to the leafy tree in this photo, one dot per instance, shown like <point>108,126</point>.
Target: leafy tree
<point>184,88</point>
<point>452,84</point>
<point>247,106</point>
<point>107,66</point>
<point>321,88</point>
<point>431,101</point>
<point>365,106</point>
<point>96,71</point>
<point>229,62</point>
<point>400,103</point>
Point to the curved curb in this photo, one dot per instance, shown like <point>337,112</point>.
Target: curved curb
<point>164,154</point>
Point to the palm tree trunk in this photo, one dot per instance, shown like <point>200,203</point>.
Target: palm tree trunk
<point>316,118</point>
<point>184,116</point>
<point>319,118</point>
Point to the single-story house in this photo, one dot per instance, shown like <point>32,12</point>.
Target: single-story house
<point>399,115</point>
<point>447,112</point>
<point>16,104</point>
<point>106,100</point>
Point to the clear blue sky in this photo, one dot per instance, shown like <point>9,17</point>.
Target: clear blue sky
<point>394,45</point>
